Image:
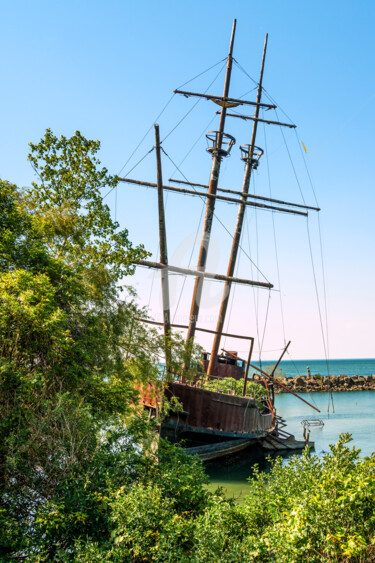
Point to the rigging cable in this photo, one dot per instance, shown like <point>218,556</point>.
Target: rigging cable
<point>323,269</point>
<point>195,104</point>
<point>231,305</point>
<point>311,252</point>
<point>131,169</point>
<point>200,219</point>
<point>217,217</point>
<point>247,74</point>
<point>274,236</point>
<point>256,301</point>
<point>256,293</point>
<point>162,111</point>
<point>201,73</point>
<point>145,135</point>
<point>321,250</point>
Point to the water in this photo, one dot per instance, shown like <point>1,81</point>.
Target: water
<point>364,366</point>
<point>354,412</point>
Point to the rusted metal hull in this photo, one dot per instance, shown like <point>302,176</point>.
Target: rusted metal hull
<point>222,370</point>
<point>208,416</point>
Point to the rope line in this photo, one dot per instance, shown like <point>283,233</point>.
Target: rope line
<point>131,170</point>
<point>201,73</point>
<point>194,105</point>
<point>247,74</point>
<point>274,236</point>
<point>189,263</point>
<point>231,305</point>
<point>163,110</point>
<point>299,142</point>
<point>291,161</point>
<point>316,287</point>
<point>216,216</point>
<point>145,135</point>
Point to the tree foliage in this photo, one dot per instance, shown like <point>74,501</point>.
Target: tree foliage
<point>76,483</point>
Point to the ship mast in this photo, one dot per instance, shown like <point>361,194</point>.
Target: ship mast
<point>163,255</point>
<point>251,155</point>
<point>218,152</point>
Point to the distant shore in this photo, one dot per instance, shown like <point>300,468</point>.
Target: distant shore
<point>316,384</point>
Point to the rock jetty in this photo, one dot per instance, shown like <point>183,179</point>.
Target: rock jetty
<point>313,384</point>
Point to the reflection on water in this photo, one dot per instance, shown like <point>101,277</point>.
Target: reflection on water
<point>354,412</point>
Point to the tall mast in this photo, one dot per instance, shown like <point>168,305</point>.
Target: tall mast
<point>163,254</point>
<point>251,154</point>
<point>217,154</point>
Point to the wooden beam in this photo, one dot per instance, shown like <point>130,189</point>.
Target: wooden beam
<point>218,197</point>
<point>253,196</point>
<point>273,379</point>
<point>240,336</point>
<point>249,117</point>
<point>188,272</point>
<point>283,386</point>
<point>222,99</point>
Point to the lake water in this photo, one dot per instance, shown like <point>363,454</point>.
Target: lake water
<point>352,412</point>
<point>364,366</point>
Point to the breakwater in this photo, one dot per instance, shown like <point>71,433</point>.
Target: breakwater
<point>330,383</point>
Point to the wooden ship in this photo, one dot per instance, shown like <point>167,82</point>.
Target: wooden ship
<point>214,423</point>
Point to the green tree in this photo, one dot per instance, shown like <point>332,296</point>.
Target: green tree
<point>62,324</point>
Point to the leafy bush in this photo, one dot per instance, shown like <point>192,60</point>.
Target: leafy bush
<point>230,385</point>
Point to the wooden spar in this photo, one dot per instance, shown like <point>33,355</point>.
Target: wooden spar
<point>246,117</point>
<point>253,196</point>
<point>163,254</point>
<point>241,336</point>
<point>281,357</point>
<point>275,368</point>
<point>247,367</point>
<point>211,196</point>
<point>210,203</point>
<point>218,277</point>
<point>283,386</point>
<point>273,379</point>
<point>225,99</point>
<point>240,217</point>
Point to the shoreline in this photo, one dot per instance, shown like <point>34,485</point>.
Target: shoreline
<point>318,384</point>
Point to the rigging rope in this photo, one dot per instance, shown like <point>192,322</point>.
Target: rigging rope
<point>255,294</point>
<point>321,251</point>
<point>216,216</point>
<point>145,135</point>
<point>231,305</point>
<point>194,105</point>
<point>322,265</point>
<point>163,110</point>
<point>274,236</point>
<point>201,73</point>
<point>247,74</point>
<point>131,169</point>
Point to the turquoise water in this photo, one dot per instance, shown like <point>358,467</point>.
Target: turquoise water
<point>364,366</point>
<point>352,412</point>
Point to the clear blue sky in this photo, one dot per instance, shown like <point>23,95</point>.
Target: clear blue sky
<point>108,69</point>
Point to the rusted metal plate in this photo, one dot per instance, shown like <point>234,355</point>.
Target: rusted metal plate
<point>225,413</point>
<point>225,370</point>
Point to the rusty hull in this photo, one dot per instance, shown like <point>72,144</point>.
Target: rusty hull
<point>225,370</point>
<point>208,416</point>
